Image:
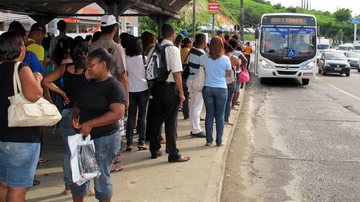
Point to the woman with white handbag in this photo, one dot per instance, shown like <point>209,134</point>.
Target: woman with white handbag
<point>19,146</point>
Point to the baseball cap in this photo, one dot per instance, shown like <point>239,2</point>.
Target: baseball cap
<point>107,20</point>
<point>38,27</point>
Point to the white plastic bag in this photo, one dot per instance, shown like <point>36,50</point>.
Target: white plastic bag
<point>82,162</point>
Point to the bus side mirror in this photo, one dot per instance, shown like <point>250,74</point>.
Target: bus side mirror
<point>256,34</point>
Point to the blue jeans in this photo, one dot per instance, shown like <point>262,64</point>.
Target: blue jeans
<point>106,147</point>
<point>137,100</point>
<point>231,91</point>
<point>215,101</point>
<point>18,161</point>
<point>67,130</point>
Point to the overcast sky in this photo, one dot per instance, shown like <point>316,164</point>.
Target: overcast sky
<point>324,5</point>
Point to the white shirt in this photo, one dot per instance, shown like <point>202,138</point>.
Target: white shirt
<point>136,73</point>
<point>173,59</point>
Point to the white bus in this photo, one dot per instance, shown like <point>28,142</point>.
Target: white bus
<point>286,47</point>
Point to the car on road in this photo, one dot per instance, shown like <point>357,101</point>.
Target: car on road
<point>334,62</point>
<point>353,59</point>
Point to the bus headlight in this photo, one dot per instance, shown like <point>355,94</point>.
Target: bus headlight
<point>266,64</point>
<point>308,65</point>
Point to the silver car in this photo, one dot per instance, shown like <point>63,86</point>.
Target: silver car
<point>353,59</point>
<point>334,62</point>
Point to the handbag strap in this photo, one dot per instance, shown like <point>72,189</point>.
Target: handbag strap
<point>16,79</point>
<point>202,64</point>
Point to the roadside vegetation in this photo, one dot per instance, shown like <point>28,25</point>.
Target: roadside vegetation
<point>331,25</point>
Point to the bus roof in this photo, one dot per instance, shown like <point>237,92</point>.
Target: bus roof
<point>287,14</point>
<point>288,19</point>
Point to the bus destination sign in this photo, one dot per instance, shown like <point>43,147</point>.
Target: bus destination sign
<point>285,20</point>
<point>289,21</point>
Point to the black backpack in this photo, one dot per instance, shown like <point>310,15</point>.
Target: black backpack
<point>156,69</point>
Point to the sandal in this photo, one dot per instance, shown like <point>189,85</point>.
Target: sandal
<point>142,147</point>
<point>43,161</point>
<point>117,159</point>
<point>91,192</point>
<point>116,168</point>
<point>228,123</point>
<point>128,148</point>
<point>67,192</point>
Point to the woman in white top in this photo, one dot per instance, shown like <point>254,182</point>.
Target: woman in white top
<point>138,93</point>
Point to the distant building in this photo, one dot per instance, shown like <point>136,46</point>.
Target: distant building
<point>76,25</point>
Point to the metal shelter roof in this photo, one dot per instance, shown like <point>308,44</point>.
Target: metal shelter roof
<point>46,10</point>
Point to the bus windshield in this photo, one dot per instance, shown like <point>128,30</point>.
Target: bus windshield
<point>288,42</point>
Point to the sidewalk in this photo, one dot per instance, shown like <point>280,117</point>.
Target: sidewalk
<point>146,179</point>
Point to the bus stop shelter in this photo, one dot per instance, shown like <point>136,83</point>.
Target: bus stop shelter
<point>46,10</point>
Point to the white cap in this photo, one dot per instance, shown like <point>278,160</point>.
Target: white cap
<point>107,20</point>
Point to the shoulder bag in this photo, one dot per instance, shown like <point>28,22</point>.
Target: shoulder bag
<point>23,113</point>
<point>244,75</point>
<point>199,78</point>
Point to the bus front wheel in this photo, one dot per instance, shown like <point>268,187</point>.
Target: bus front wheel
<point>305,81</point>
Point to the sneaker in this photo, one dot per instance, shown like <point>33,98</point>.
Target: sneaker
<point>155,155</point>
<point>200,135</point>
<point>36,182</point>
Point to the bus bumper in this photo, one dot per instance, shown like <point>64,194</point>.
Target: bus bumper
<point>283,73</point>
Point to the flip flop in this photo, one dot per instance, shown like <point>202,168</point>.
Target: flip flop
<point>117,159</point>
<point>116,168</point>
<point>43,161</point>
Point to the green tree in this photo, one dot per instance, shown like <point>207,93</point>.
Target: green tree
<point>339,36</point>
<point>147,24</point>
<point>343,14</point>
<point>278,6</point>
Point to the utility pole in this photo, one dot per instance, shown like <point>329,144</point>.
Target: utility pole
<point>193,21</point>
<point>242,20</point>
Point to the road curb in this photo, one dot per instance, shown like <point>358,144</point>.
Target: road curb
<point>216,176</point>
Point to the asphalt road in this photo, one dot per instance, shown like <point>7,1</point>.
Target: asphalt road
<point>297,143</point>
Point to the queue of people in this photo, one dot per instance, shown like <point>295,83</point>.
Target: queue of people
<point>96,82</point>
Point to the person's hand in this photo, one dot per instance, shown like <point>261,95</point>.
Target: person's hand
<point>85,129</point>
<point>182,98</point>
<point>66,100</point>
<point>75,122</point>
<point>127,103</point>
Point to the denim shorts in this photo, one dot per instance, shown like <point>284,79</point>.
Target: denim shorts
<point>106,147</point>
<point>18,161</point>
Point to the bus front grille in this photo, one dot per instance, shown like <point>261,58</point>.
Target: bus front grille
<point>287,72</point>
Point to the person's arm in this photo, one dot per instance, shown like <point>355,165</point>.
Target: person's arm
<point>122,74</point>
<point>30,84</point>
<point>173,60</point>
<point>115,113</point>
<point>123,78</point>
<point>75,117</point>
<point>178,83</point>
<point>243,60</point>
<point>48,82</point>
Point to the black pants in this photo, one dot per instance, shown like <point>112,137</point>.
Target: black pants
<point>248,61</point>
<point>165,106</point>
<point>185,105</point>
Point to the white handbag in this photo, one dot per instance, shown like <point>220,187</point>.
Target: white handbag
<point>199,78</point>
<point>23,113</point>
